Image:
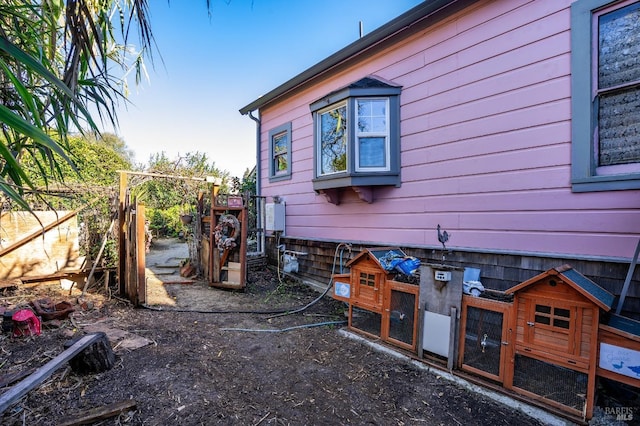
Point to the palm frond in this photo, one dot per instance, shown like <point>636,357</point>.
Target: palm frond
<point>56,64</point>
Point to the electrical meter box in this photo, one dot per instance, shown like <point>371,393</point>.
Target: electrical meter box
<point>274,219</point>
<point>443,275</point>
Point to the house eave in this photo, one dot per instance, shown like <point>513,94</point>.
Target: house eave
<point>425,14</point>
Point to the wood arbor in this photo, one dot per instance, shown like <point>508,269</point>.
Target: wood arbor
<point>131,236</point>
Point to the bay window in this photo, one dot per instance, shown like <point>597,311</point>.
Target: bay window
<point>357,139</point>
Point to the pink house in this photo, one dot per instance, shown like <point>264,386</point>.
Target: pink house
<point>512,124</point>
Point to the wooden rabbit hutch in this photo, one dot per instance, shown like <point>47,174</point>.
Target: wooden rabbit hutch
<point>543,343</point>
<point>379,305</point>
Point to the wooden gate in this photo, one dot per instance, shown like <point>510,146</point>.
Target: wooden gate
<point>131,240</point>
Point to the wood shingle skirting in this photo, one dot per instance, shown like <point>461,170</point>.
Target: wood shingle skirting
<point>499,271</point>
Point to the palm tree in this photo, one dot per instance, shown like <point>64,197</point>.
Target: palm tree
<point>58,65</point>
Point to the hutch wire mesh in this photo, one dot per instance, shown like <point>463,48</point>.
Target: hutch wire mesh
<point>401,316</point>
<point>483,337</point>
<point>366,321</point>
<point>560,384</point>
<point>401,322</point>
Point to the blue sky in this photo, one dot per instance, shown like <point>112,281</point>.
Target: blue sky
<point>210,67</point>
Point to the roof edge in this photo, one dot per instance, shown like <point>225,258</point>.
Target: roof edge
<point>438,9</point>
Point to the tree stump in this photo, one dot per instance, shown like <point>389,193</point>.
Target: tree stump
<point>95,358</point>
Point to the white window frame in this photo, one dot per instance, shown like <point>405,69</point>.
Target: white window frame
<point>385,135</point>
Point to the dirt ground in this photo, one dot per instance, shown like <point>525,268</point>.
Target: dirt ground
<point>205,356</point>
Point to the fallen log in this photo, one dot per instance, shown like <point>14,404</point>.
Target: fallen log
<point>41,374</point>
<point>98,413</point>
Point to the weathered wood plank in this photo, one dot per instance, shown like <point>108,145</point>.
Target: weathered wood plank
<point>22,388</point>
<point>98,413</point>
<point>9,379</point>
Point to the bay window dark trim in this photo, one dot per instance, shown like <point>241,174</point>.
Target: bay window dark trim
<point>368,87</point>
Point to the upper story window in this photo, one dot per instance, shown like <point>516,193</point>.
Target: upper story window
<point>605,95</point>
<point>280,153</point>
<point>357,138</point>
